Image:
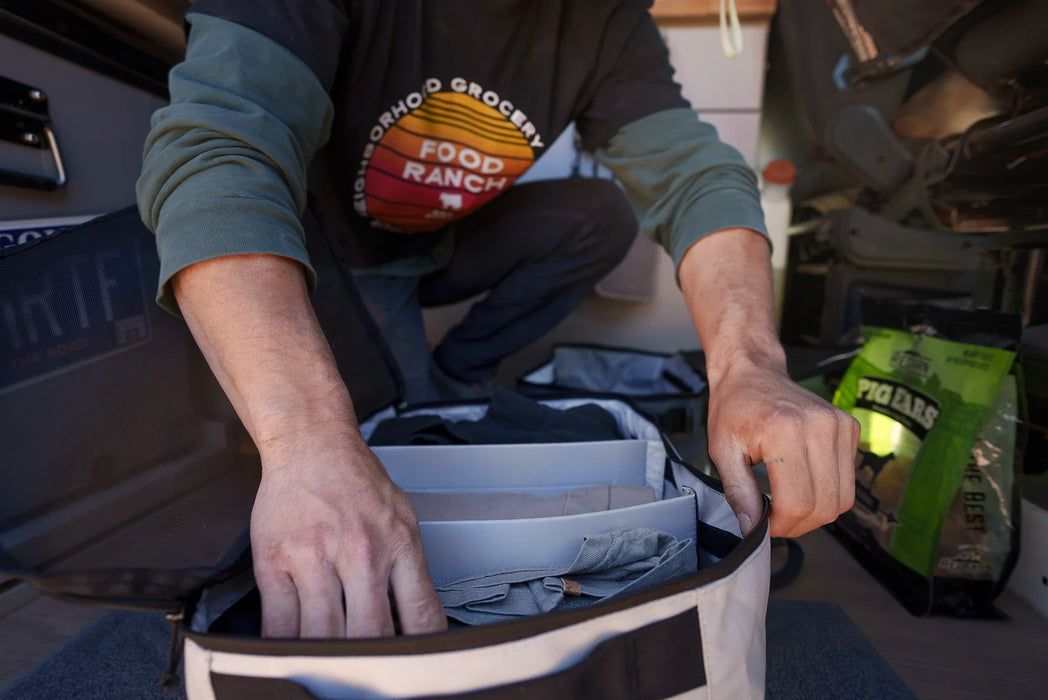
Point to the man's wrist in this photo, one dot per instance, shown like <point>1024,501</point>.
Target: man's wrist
<point>726,281</point>
<point>289,421</point>
<point>741,355</point>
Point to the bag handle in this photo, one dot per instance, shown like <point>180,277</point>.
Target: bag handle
<point>660,660</point>
<point>25,120</point>
<point>794,562</point>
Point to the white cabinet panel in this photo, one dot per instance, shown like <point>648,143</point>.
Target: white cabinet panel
<point>740,129</point>
<point>710,79</point>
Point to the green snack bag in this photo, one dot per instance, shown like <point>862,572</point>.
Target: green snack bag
<point>976,536</point>
<point>933,474</point>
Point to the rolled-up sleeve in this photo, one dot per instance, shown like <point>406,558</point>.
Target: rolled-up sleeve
<point>224,166</point>
<point>682,181</point>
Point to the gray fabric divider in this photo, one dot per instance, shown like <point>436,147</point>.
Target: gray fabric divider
<point>460,549</point>
<point>530,468</point>
<point>436,507</point>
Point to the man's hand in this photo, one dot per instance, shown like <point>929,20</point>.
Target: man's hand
<point>332,535</point>
<point>756,412</point>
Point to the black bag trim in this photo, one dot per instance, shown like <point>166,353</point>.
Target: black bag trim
<point>472,638</point>
<point>167,590</point>
<point>129,589</point>
<point>717,542</point>
<point>230,687</point>
<point>660,660</point>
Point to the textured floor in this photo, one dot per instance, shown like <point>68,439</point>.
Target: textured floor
<point>937,658</point>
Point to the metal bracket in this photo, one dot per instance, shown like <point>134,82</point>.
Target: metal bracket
<point>26,121</point>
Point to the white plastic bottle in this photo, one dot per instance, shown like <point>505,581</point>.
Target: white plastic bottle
<point>778,177</point>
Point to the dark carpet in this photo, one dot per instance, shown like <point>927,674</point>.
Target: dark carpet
<point>816,652</point>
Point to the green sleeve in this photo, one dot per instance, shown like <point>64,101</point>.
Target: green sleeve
<point>682,181</point>
<point>224,169</point>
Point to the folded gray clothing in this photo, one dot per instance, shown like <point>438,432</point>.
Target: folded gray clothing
<point>615,563</point>
<point>431,506</point>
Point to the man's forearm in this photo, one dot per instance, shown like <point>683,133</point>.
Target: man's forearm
<point>726,281</point>
<point>331,534</point>
<point>252,318</point>
<point>756,413</point>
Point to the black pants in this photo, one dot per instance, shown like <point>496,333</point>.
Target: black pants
<point>536,252</point>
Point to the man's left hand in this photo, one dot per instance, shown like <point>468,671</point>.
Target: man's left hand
<point>757,414</point>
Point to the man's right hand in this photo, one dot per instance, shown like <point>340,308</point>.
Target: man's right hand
<point>333,537</point>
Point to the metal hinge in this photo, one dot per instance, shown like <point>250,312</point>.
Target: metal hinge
<point>26,121</point>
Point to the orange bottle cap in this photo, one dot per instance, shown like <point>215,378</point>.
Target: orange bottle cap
<point>780,172</point>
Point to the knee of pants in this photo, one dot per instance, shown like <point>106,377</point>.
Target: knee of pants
<point>610,224</point>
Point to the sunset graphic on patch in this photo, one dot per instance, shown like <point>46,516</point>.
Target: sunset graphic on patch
<point>441,161</point>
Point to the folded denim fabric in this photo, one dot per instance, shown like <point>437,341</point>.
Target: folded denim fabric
<point>614,563</point>
<point>513,506</point>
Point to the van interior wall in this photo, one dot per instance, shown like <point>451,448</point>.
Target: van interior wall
<point>100,125</point>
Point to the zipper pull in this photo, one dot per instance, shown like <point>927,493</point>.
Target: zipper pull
<point>171,680</point>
